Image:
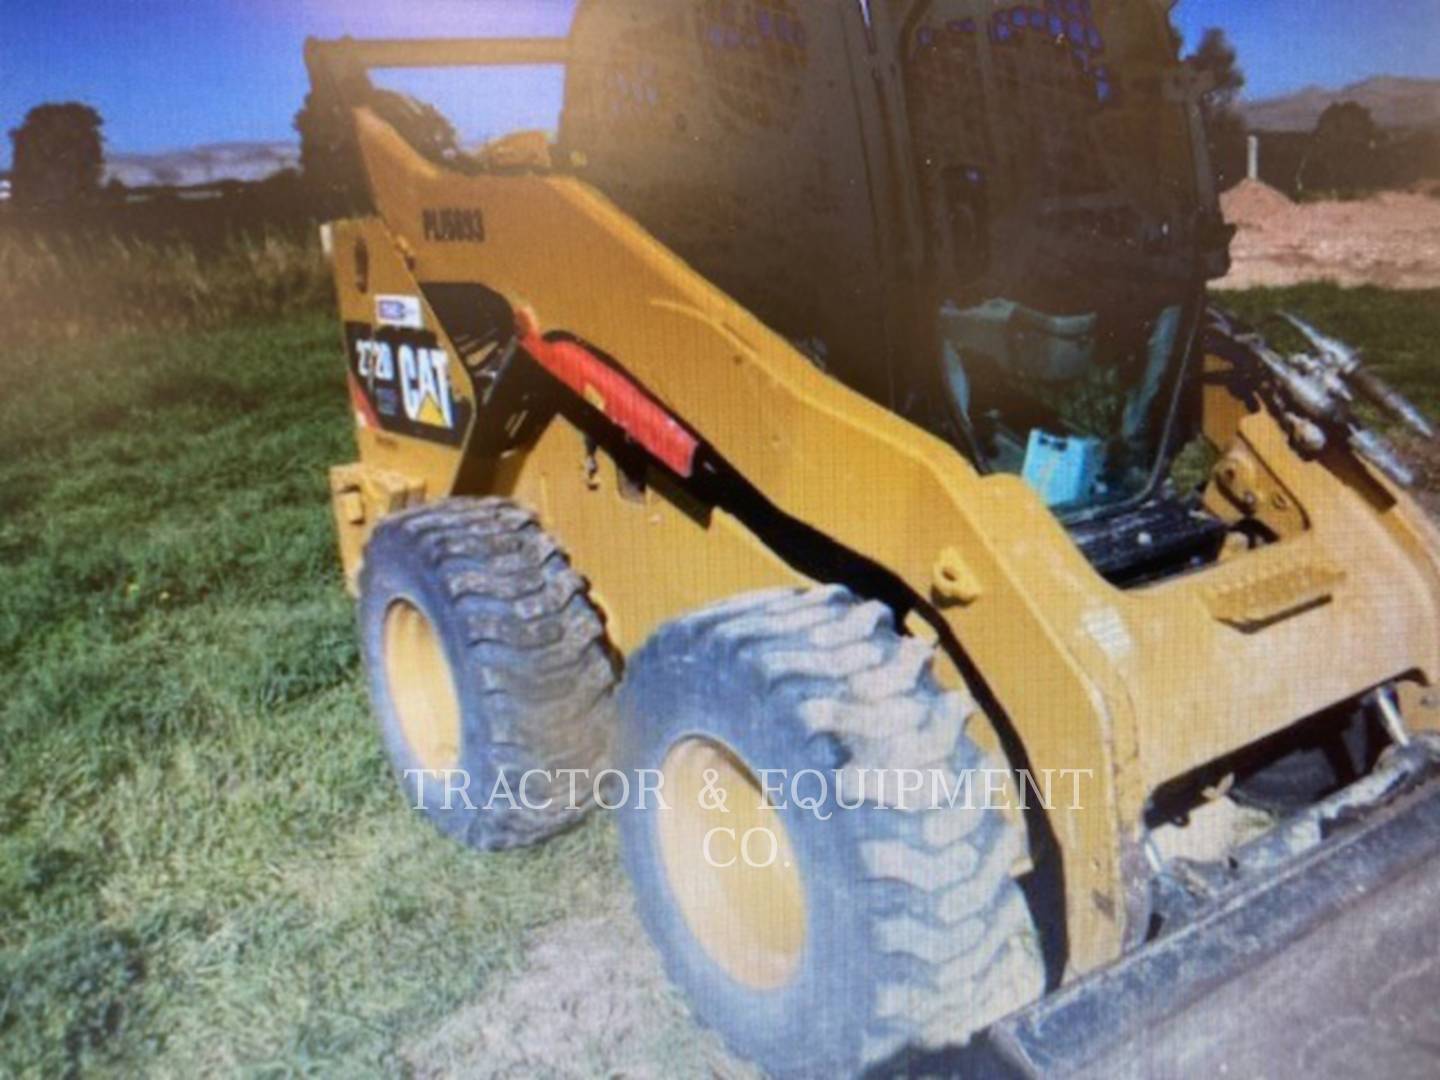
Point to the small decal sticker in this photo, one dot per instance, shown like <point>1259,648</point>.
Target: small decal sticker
<point>403,311</point>
<point>401,379</point>
<point>1106,628</point>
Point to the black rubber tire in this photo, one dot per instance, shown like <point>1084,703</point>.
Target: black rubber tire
<point>916,933</point>
<point>533,673</point>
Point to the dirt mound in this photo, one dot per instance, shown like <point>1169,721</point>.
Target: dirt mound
<point>1253,204</point>
<point>1391,240</point>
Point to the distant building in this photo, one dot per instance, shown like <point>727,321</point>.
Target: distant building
<point>4,188</point>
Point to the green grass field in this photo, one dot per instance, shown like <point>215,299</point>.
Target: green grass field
<point>204,863</point>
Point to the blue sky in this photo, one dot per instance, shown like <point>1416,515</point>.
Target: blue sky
<point>175,73</point>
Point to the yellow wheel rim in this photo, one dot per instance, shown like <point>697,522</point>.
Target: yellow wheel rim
<point>422,687</point>
<point>732,871</point>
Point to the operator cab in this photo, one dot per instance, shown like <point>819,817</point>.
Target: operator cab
<point>1063,206</point>
<point>1072,227</point>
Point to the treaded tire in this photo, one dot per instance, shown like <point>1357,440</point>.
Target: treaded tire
<point>533,674</point>
<point>916,935</point>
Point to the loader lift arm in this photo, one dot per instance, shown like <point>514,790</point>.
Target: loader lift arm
<point>340,57</point>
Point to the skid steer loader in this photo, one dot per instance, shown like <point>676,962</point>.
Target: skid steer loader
<point>826,420</point>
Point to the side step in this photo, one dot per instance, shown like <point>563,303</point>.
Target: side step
<point>1325,964</point>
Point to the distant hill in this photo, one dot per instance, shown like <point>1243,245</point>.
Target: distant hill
<point>1393,102</point>
<point>249,161</point>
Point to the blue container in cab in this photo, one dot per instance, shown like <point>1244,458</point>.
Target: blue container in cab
<point>1063,470</point>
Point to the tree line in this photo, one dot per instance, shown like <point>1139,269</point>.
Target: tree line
<point>59,155</point>
<point>1345,156</point>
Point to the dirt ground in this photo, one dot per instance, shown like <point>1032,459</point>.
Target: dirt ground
<point>591,1000</point>
<point>1391,240</point>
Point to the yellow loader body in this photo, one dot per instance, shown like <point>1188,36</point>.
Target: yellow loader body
<point>1124,689</point>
